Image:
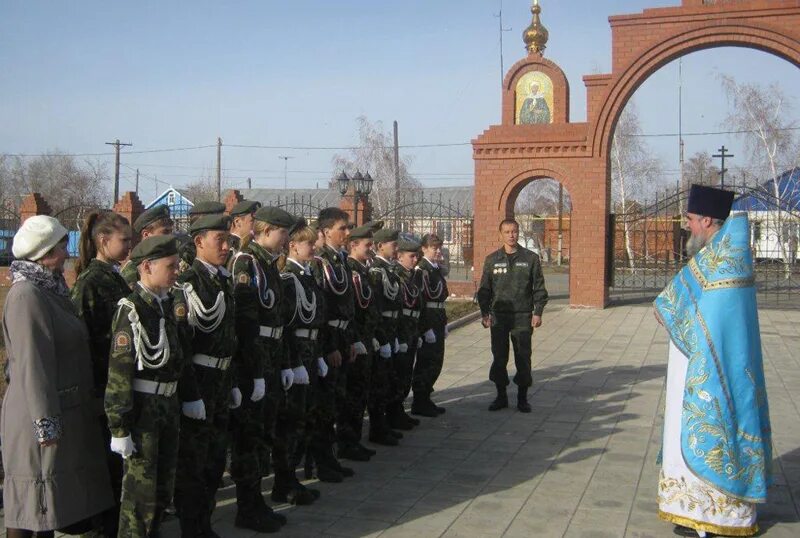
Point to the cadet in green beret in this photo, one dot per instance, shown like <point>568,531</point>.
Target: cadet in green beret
<point>186,249</point>
<point>153,222</point>
<point>242,223</point>
<point>142,400</point>
<point>387,292</point>
<point>205,312</point>
<point>408,334</point>
<point>207,207</point>
<point>359,375</point>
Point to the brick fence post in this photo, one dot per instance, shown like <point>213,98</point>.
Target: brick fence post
<point>232,197</point>
<point>33,204</point>
<point>129,206</point>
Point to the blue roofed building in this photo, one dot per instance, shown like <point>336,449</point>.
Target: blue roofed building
<point>179,206</point>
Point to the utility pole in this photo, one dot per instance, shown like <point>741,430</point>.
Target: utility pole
<point>680,131</point>
<point>219,169</point>
<point>249,184</point>
<point>137,181</point>
<point>396,175</point>
<point>502,30</point>
<point>285,169</point>
<point>722,155</point>
<point>117,144</point>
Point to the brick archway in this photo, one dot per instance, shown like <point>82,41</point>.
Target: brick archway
<point>507,156</point>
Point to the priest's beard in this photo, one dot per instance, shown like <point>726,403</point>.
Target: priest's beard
<point>694,244</point>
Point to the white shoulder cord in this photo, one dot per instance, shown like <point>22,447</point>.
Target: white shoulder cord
<point>390,289</point>
<point>148,355</point>
<point>205,319</point>
<point>338,284</point>
<point>426,284</point>
<point>266,296</point>
<point>307,310</point>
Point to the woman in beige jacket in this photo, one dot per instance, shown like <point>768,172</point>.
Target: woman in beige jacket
<point>55,472</point>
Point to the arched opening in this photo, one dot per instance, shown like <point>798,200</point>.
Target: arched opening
<point>543,207</point>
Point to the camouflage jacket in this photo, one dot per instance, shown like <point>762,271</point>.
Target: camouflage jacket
<point>334,279</point>
<point>367,315</point>
<point>124,364</point>
<point>386,284</point>
<point>433,288</point>
<point>130,273</point>
<point>298,313</point>
<point>408,321</point>
<point>95,295</point>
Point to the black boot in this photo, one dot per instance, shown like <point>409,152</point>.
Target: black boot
<point>383,437</point>
<point>397,418</point>
<point>501,401</point>
<point>423,406</point>
<point>366,450</point>
<point>522,400</point>
<point>287,489</point>
<point>351,451</point>
<point>249,515</point>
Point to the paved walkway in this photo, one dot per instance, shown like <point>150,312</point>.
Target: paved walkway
<point>582,464</point>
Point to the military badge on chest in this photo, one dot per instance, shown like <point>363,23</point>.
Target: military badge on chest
<point>500,268</point>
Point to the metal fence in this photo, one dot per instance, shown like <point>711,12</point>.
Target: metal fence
<point>9,224</point>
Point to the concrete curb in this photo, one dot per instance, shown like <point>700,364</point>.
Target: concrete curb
<point>460,322</point>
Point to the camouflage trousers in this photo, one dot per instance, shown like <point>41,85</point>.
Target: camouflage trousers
<point>382,379</point>
<point>248,445</point>
<point>350,419</point>
<point>292,417</point>
<point>149,475</point>
<point>203,446</point>
<point>428,365</point>
<point>328,397</point>
<point>403,366</point>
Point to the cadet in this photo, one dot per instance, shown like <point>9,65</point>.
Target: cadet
<point>512,298</point>
<point>186,248</point>
<point>155,221</point>
<point>141,400</point>
<point>105,242</point>
<point>432,325</point>
<point>242,223</point>
<point>387,291</point>
<point>333,277</point>
<point>367,317</point>
<point>407,334</point>
<point>204,310</point>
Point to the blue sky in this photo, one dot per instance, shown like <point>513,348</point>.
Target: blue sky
<point>176,74</point>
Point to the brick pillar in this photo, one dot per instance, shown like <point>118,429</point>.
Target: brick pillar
<point>232,197</point>
<point>32,205</point>
<point>130,207</point>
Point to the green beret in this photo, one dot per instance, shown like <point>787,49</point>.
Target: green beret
<point>275,216</point>
<point>385,235</point>
<point>153,248</point>
<point>407,245</point>
<point>150,216</point>
<point>207,208</point>
<point>244,207</point>
<point>210,222</point>
<point>375,225</point>
<point>297,224</point>
<point>362,232</point>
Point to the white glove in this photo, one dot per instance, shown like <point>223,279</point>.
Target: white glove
<point>287,378</point>
<point>419,342</point>
<point>360,348</point>
<point>301,376</point>
<point>430,336</point>
<point>396,345</point>
<point>375,344</point>
<point>259,389</point>
<point>322,366</point>
<point>195,409</point>
<point>385,351</point>
<point>236,398</point>
<point>403,348</point>
<point>446,332</point>
<point>123,446</point>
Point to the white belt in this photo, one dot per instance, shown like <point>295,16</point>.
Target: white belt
<point>311,334</point>
<point>212,362</point>
<point>412,313</point>
<point>434,305</point>
<point>154,387</point>
<point>389,313</point>
<point>270,332</point>
<point>339,323</point>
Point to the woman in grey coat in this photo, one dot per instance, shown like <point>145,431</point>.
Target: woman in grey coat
<point>55,472</point>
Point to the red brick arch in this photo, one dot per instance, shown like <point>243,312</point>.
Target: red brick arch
<point>508,156</point>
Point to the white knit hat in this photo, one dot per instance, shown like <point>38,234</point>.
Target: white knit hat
<point>36,237</point>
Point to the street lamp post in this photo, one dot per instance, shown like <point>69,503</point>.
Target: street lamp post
<point>362,187</point>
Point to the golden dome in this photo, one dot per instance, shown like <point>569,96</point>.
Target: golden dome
<point>535,35</point>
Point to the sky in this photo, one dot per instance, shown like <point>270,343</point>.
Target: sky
<point>298,73</point>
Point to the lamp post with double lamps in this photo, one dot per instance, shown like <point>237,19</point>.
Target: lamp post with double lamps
<point>362,187</point>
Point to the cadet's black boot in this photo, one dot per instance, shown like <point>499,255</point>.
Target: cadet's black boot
<point>262,506</point>
<point>423,406</point>
<point>382,437</point>
<point>366,450</point>
<point>439,409</point>
<point>286,490</point>
<point>501,401</point>
<point>249,515</point>
<point>411,420</point>
<point>397,418</point>
<point>522,400</point>
<point>351,451</point>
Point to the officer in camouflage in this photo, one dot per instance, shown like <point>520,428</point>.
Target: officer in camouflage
<point>512,298</point>
<point>141,400</point>
<point>153,222</point>
<point>205,313</point>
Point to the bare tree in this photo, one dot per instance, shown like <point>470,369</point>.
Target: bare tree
<point>634,172</point>
<point>764,115</point>
<point>375,154</point>
<point>203,189</point>
<point>700,169</point>
<point>540,198</point>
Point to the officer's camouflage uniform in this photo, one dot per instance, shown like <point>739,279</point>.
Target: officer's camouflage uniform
<point>152,420</point>
<point>95,295</point>
<point>203,443</point>
<point>359,374</point>
<point>511,291</point>
<point>388,296</point>
<point>295,423</point>
<point>129,273</point>
<point>186,252</point>
<point>408,334</point>
<point>334,278</point>
<point>430,357</point>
